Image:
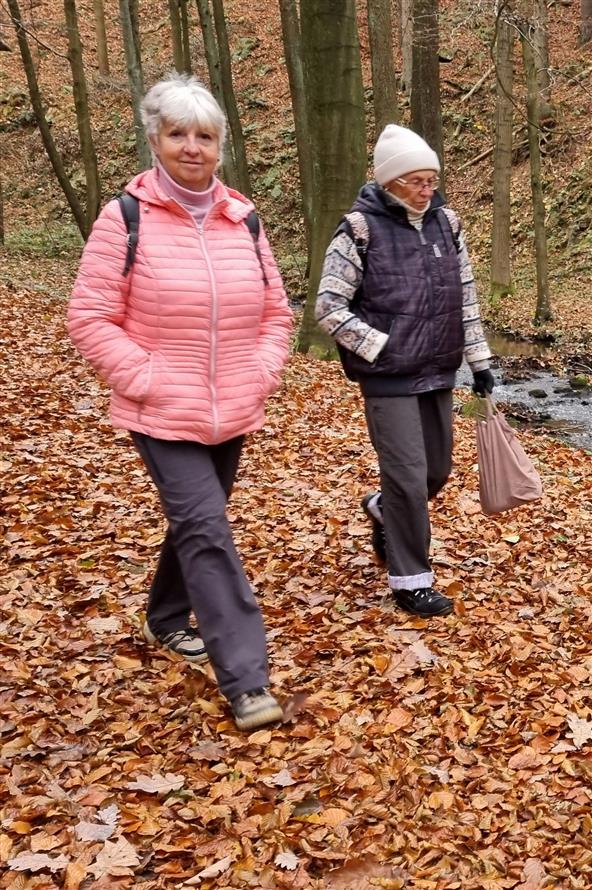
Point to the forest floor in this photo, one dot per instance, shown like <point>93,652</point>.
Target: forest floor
<point>449,755</point>
<point>445,755</point>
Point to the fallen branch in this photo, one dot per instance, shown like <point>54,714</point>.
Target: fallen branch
<point>477,85</point>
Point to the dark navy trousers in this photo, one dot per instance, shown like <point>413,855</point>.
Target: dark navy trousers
<point>199,569</point>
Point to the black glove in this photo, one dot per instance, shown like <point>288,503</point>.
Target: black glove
<point>483,382</point>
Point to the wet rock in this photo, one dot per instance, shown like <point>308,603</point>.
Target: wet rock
<point>538,394</point>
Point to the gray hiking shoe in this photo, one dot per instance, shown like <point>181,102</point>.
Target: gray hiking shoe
<point>255,708</point>
<point>185,642</point>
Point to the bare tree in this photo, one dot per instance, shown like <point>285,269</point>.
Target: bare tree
<point>293,54</point>
<point>243,182</point>
<point>179,35</point>
<point>87,147</point>
<point>384,78</point>
<point>228,171</point>
<point>101,32</point>
<point>501,273</point>
<point>543,305</point>
<point>39,111</point>
<point>335,107</point>
<point>586,21</point>
<point>131,41</point>
<point>426,108</point>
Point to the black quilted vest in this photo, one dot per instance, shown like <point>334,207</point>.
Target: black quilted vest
<point>412,291</point>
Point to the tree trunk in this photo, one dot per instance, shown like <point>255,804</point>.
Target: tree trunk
<point>87,147</point>
<point>543,306</point>
<point>542,63</point>
<point>184,16</point>
<point>407,44</point>
<point>337,130</point>
<point>426,109</point>
<point>37,104</point>
<point>243,182</point>
<point>586,22</point>
<point>131,41</point>
<point>501,272</point>
<point>176,36</point>
<point>384,78</point>
<point>293,54</point>
<point>228,170</point>
<point>101,32</point>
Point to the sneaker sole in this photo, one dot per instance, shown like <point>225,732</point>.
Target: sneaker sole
<point>199,658</point>
<point>269,715</point>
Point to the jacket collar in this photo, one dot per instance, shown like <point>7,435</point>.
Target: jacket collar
<point>226,201</point>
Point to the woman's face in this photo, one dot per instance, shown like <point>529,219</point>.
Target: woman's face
<point>415,189</point>
<point>188,153</point>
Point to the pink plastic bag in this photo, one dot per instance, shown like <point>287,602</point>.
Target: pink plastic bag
<point>507,477</point>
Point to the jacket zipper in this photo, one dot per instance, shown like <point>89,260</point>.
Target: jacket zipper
<point>214,323</point>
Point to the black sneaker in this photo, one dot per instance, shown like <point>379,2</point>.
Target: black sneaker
<point>185,642</point>
<point>372,510</point>
<point>255,708</point>
<point>424,602</point>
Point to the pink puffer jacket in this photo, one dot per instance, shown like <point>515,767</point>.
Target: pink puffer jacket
<point>191,341</point>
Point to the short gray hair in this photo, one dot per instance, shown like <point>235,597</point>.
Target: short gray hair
<point>182,99</point>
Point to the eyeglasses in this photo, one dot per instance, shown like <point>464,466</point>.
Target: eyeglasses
<point>418,184</point>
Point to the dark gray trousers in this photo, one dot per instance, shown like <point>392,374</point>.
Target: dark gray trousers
<point>412,437</point>
<point>199,568</point>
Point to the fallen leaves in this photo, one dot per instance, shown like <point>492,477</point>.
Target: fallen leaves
<point>449,755</point>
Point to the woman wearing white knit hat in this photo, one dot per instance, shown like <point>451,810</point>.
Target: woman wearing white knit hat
<point>397,293</point>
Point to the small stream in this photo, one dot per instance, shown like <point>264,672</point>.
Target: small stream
<point>539,397</point>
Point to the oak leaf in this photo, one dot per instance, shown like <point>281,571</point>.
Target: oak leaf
<point>116,858</point>
<point>157,784</point>
<point>287,859</point>
<point>581,730</point>
<point>37,862</point>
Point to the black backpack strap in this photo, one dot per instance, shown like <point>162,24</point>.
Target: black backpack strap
<point>130,211</point>
<point>253,226</point>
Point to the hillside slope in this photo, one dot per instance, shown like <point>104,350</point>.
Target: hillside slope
<point>38,220</point>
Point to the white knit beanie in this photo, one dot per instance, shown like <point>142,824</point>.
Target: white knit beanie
<point>400,151</point>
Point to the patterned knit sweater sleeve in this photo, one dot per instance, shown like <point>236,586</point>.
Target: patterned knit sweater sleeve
<point>340,278</point>
<point>477,352</point>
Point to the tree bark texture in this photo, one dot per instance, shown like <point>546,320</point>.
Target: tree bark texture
<point>335,102</point>
<point>293,55</point>
<point>543,305</point>
<point>501,273</point>
<point>426,109</point>
<point>384,78</point>
<point>176,36</point>
<point>37,105</point>
<point>406,19</point>
<point>87,147</point>
<point>541,55</point>
<point>184,16</point>
<point>585,21</point>
<point>129,28</point>
<point>243,182</point>
<point>101,32</point>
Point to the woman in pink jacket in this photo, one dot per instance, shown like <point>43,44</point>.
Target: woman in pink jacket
<point>192,340</point>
